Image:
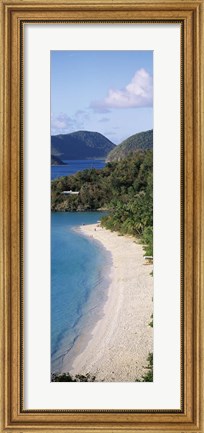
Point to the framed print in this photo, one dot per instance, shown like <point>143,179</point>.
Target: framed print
<point>102,208</point>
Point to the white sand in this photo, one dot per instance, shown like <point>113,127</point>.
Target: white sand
<point>118,346</point>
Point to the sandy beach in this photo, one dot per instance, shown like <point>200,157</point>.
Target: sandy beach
<point>118,346</point>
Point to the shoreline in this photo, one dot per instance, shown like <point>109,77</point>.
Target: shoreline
<point>117,347</point>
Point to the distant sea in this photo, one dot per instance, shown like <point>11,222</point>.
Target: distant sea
<point>75,165</point>
<point>79,272</point>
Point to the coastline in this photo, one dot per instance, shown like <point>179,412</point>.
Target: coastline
<point>116,349</point>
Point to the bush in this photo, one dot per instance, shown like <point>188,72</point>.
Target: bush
<point>148,377</point>
<point>67,377</point>
<point>147,239</point>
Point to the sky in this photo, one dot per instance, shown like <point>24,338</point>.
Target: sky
<point>110,92</point>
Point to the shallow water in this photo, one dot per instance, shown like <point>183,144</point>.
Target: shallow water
<point>79,281</point>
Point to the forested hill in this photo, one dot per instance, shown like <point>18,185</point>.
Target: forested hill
<point>139,141</point>
<point>81,145</point>
<point>125,188</point>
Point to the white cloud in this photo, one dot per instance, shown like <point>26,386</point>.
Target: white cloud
<point>61,121</point>
<point>63,124</point>
<point>137,93</point>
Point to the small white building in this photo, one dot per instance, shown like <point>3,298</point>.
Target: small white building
<point>70,192</point>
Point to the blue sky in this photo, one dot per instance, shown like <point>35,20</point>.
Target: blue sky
<point>105,91</point>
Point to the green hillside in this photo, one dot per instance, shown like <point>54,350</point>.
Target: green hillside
<point>139,141</point>
<point>124,188</point>
<point>81,145</point>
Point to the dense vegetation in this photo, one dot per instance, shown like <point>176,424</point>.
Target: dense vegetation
<point>125,188</point>
<point>81,145</point>
<point>56,161</point>
<point>140,141</point>
<point>148,376</point>
<point>67,377</point>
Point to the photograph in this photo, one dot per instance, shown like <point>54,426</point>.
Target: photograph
<point>102,283</point>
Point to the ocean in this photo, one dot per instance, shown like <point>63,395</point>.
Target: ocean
<point>75,165</point>
<point>79,281</point>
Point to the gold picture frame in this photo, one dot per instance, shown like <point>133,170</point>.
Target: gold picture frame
<point>13,417</point>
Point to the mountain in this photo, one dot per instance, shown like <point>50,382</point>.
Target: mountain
<point>139,141</point>
<point>81,145</point>
<point>56,161</point>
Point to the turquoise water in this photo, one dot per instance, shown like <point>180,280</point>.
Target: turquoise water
<point>79,279</point>
<point>75,165</point>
